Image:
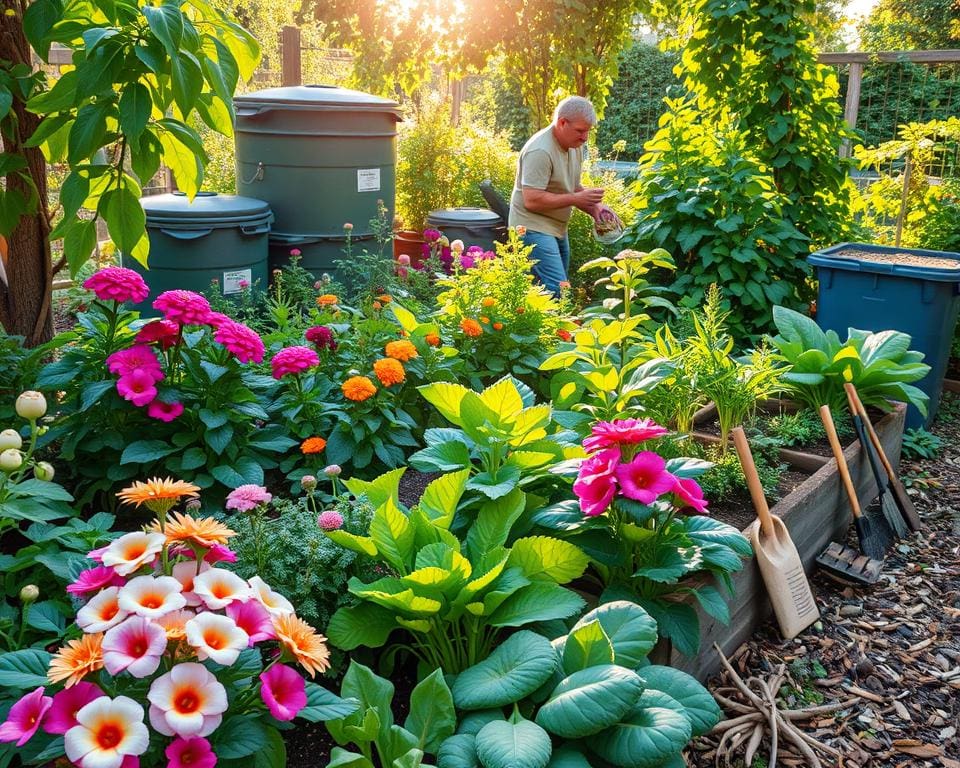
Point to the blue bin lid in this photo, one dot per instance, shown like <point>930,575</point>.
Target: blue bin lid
<point>938,266</point>
<point>451,217</point>
<point>319,97</point>
<point>208,209</point>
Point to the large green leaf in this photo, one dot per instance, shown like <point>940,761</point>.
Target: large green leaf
<point>440,498</point>
<point>646,737</point>
<point>508,744</point>
<point>89,131</point>
<point>325,705</point>
<point>432,717</point>
<point>458,751</point>
<point>342,758</point>
<point>135,107</point>
<point>491,528</point>
<point>373,692</point>
<point>472,722</point>
<point>540,601</point>
<point>590,700</point>
<point>124,215</point>
<point>567,757</point>
<point>444,457</point>
<point>543,557</point>
<point>699,705</point>
<point>364,624</point>
<point>166,22</point>
<point>239,736</point>
<point>377,491</point>
<point>679,622</point>
<point>517,667</point>
<point>496,486</point>
<point>706,530</point>
<point>23,669</point>
<point>146,451</point>
<point>631,630</point>
<point>393,535</point>
<point>446,398</point>
<point>586,646</point>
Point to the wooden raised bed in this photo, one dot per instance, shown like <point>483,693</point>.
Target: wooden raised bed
<point>816,512</point>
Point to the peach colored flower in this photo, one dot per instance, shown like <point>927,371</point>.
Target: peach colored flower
<point>303,642</point>
<point>107,731</point>
<point>216,637</point>
<point>488,301</point>
<point>132,551</point>
<point>102,612</point>
<point>201,531</point>
<point>152,596</point>
<point>157,489</point>
<point>327,300</point>
<point>187,701</point>
<point>219,587</point>
<point>275,603</point>
<point>76,659</point>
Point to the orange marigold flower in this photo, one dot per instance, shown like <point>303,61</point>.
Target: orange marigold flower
<point>313,445</point>
<point>385,298</point>
<point>358,388</point>
<point>432,339</point>
<point>498,326</point>
<point>471,327</point>
<point>327,300</point>
<point>485,320</point>
<point>389,371</point>
<point>377,305</point>
<point>564,334</point>
<point>401,350</point>
<point>488,301</point>
<point>303,642</point>
<point>202,531</point>
<point>156,489</point>
<point>76,659</point>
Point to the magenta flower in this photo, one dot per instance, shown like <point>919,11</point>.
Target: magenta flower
<point>247,497</point>
<point>218,553</point>
<point>139,357</point>
<point>596,482</point>
<point>26,715</point>
<point>253,619</point>
<point>293,360</point>
<point>95,579</point>
<point>159,330</point>
<point>216,319</point>
<point>329,520</point>
<point>242,342</point>
<point>689,494</point>
<point>322,337</point>
<point>164,411</point>
<point>97,554</point>
<point>622,432</point>
<point>467,261</point>
<point>431,235</point>
<point>191,752</point>
<point>137,387</point>
<point>488,256</point>
<point>63,714</point>
<point>475,250</point>
<point>134,645</point>
<point>283,691</point>
<point>184,307</point>
<point>645,478</point>
<point>117,284</point>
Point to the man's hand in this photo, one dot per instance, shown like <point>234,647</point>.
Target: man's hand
<point>587,199</point>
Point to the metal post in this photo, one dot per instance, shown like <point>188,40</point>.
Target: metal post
<point>291,70</point>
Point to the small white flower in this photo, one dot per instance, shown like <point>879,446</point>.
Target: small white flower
<point>152,596</point>
<point>216,637</point>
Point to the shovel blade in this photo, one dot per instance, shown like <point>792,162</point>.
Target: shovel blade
<point>785,580</point>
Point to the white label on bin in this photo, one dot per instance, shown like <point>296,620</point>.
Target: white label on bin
<point>235,282</point>
<point>368,179</point>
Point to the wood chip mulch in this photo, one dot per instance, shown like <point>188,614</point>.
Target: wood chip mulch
<point>876,682</point>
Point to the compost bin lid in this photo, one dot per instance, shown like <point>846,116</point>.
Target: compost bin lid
<point>319,97</point>
<point>463,216</point>
<point>208,209</point>
<point>915,263</point>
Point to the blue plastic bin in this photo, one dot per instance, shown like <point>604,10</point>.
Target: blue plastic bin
<point>878,296</point>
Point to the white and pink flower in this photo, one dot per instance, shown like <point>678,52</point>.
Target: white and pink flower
<point>102,612</point>
<point>216,637</point>
<point>136,646</point>
<point>187,701</point>
<point>107,731</point>
<point>185,572</point>
<point>217,588</point>
<point>132,551</point>
<point>275,603</point>
<point>152,596</point>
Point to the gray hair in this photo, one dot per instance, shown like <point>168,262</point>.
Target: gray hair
<point>574,107</point>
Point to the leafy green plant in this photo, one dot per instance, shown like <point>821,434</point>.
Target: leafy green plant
<point>381,741</point>
<point>627,280</point>
<point>589,694</point>
<point>794,429</point>
<point>880,365</point>
<point>455,597</point>
<point>918,443</point>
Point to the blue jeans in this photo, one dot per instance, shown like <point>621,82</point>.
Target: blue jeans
<point>550,257</point>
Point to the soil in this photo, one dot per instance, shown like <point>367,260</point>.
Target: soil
<point>902,259</point>
<point>737,509</point>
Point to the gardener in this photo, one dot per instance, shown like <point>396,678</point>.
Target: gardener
<point>548,187</point>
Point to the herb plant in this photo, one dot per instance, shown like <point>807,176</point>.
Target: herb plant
<point>920,444</point>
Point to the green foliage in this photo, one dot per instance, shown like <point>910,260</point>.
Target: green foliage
<point>918,443</point>
<point>939,228</point>
<point>880,365</point>
<point>725,478</point>
<point>909,25</point>
<point>18,371</point>
<point>795,429</point>
<point>366,273</point>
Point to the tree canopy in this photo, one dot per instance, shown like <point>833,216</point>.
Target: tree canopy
<point>911,25</point>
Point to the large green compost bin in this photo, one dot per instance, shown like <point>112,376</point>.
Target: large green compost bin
<point>322,157</point>
<point>216,237</point>
<point>475,226</point>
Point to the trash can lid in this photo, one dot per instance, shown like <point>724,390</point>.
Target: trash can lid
<point>318,96</point>
<point>175,211</point>
<point>937,266</point>
<point>463,216</point>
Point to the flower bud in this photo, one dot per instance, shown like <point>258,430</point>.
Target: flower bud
<point>308,483</point>
<point>29,594</point>
<point>44,471</point>
<point>348,226</point>
<point>457,246</point>
<point>31,405</point>
<point>403,260</point>
<point>193,505</point>
<point>333,470</point>
<point>10,438</point>
<point>11,460</point>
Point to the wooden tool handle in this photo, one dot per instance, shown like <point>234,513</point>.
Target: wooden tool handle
<point>877,445</point>
<point>831,431</point>
<point>753,481</point>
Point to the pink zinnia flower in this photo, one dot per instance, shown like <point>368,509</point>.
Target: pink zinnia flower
<point>474,249</point>
<point>330,520</point>
<point>162,411</point>
<point>247,497</point>
<point>135,645</point>
<point>293,360</point>
<point>218,553</point>
<point>253,619</point>
<point>625,431</point>
<point>139,357</point>
<point>117,284</point>
<point>322,337</point>
<point>94,579</point>
<point>63,714</point>
<point>158,330</point>
<point>467,261</point>
<point>184,307</point>
<point>26,715</point>
<point>242,342</point>
<point>431,235</point>
<point>689,494</point>
<point>645,477</point>
<point>216,319</point>
<point>596,482</point>
<point>283,691</point>
<point>138,387</point>
<point>194,752</point>
<point>488,256</point>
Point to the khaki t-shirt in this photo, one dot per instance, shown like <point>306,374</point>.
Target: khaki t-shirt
<point>545,165</point>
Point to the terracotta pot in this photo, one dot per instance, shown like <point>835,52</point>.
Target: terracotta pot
<point>410,243</point>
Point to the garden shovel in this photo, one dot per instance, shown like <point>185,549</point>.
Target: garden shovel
<point>899,493</point>
<point>777,557</point>
<point>885,499</point>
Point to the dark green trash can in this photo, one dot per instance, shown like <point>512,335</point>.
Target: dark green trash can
<point>216,237</point>
<point>322,157</point>
<point>475,226</point>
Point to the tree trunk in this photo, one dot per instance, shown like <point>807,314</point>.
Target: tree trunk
<point>25,301</point>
